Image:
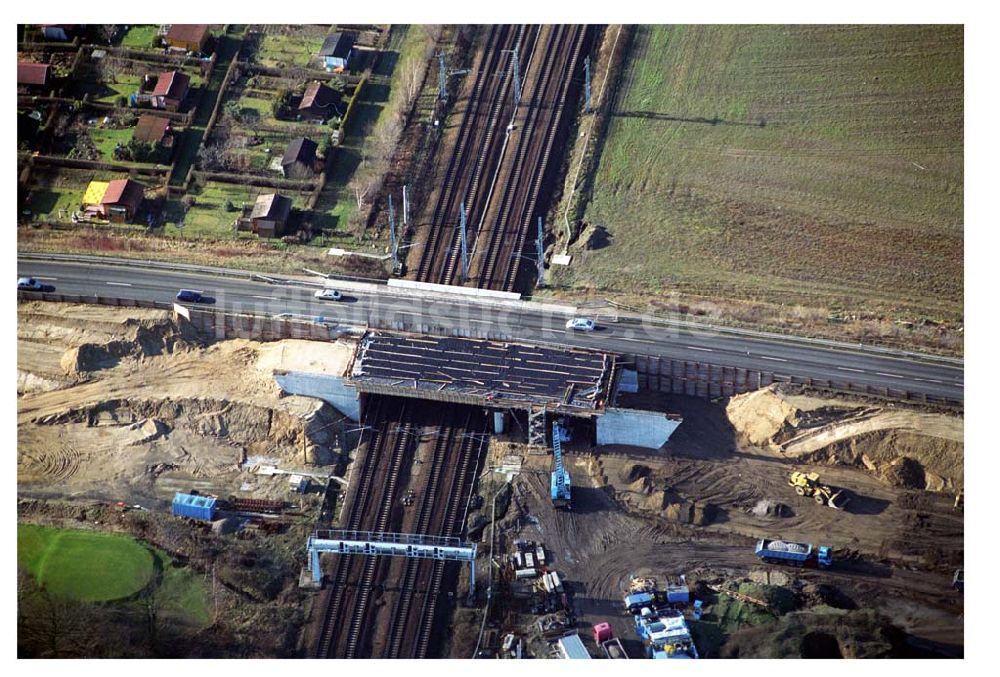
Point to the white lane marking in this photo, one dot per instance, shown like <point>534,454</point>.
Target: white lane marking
<point>265,298</point>
<point>860,371</point>
<point>480,321</point>
<point>39,277</point>
<point>930,380</point>
<point>637,340</point>
<point>119,284</point>
<point>773,359</point>
<point>882,373</point>
<point>707,350</point>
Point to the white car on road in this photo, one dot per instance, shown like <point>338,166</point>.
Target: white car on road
<point>29,283</point>
<point>581,324</point>
<point>328,295</point>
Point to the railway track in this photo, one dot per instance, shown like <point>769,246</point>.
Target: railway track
<point>500,164</point>
<point>374,494</point>
<point>495,265</point>
<point>488,97</point>
<point>354,624</point>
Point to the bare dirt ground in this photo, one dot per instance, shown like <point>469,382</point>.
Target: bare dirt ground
<point>698,506</point>
<point>127,405</point>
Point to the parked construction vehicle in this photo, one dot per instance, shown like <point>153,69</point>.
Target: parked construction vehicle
<point>808,484</point>
<point>795,554</point>
<point>560,484</point>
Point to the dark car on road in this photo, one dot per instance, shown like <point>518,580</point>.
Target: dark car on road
<point>190,296</point>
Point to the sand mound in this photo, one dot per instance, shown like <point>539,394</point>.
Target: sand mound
<point>904,447</point>
<point>759,416</point>
<point>139,339</point>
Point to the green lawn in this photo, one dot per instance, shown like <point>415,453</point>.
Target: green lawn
<point>814,165</point>
<point>46,202</point>
<point>99,567</point>
<point>85,565</point>
<point>107,139</point>
<point>208,218</point>
<point>289,50</point>
<point>140,36</point>
<point>125,86</point>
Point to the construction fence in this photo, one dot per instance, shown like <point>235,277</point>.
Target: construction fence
<point>710,381</point>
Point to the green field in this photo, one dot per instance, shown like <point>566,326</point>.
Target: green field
<point>812,165</point>
<point>289,50</point>
<point>208,217</point>
<point>98,567</point>
<point>84,565</point>
<point>140,36</point>
<point>107,139</point>
<point>46,202</point>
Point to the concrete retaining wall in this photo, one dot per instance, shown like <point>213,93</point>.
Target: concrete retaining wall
<point>635,428</point>
<point>330,389</point>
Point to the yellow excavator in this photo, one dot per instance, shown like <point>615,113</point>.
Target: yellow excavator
<point>809,485</point>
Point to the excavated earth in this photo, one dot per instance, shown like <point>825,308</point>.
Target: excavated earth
<point>698,506</point>
<point>126,405</point>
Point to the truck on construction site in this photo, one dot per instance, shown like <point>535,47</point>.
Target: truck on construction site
<point>659,620</point>
<point>776,551</point>
<point>610,646</point>
<point>664,634</point>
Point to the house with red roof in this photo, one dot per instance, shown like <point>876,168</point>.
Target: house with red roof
<point>117,201</point>
<point>171,88</point>
<point>33,76</point>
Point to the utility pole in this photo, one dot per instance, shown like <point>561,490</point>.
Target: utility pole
<point>540,244</point>
<point>406,208</point>
<point>393,241</point>
<point>586,86</point>
<point>464,244</point>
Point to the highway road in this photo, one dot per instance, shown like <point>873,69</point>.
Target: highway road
<point>931,375</point>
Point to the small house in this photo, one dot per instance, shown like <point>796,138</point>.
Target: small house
<point>33,76</point>
<point>269,217</point>
<point>299,161</point>
<point>187,37</point>
<point>336,51</point>
<point>153,130</point>
<point>117,201</point>
<point>171,88</point>
<point>319,102</point>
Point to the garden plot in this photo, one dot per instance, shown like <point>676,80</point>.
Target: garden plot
<point>215,206</point>
<point>284,46</point>
<point>114,78</point>
<point>92,134</point>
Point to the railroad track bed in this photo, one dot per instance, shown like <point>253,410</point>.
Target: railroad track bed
<point>500,164</point>
<point>419,473</point>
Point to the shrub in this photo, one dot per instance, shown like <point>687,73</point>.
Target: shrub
<point>229,207</point>
<point>121,102</point>
<point>279,106</point>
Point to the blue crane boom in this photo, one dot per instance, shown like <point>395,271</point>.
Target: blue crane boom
<point>560,476</point>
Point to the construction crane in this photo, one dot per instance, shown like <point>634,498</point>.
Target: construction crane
<point>560,476</point>
<point>809,485</point>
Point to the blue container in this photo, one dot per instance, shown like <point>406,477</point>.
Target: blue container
<point>195,507</point>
